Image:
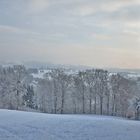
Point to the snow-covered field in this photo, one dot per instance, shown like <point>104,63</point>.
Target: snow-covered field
<point>16,125</point>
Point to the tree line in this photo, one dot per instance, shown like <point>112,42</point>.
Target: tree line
<point>93,91</point>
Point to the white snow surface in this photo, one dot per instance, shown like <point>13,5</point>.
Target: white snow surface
<point>17,125</point>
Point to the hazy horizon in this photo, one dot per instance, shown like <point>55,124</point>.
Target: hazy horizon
<point>94,33</point>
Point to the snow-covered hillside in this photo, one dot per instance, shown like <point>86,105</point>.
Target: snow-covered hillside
<point>16,125</point>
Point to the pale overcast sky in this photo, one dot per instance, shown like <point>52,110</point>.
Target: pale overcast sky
<point>99,33</point>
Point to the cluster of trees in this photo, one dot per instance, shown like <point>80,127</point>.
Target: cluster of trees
<point>90,92</point>
<point>93,91</point>
<point>15,89</point>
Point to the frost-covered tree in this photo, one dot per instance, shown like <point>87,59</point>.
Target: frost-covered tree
<point>28,97</point>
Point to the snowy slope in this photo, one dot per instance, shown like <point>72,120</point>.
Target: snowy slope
<point>15,125</point>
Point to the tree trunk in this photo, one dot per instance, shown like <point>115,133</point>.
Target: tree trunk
<point>62,101</point>
<point>90,102</point>
<point>108,99</point>
<point>17,94</point>
<point>114,105</point>
<point>101,105</point>
<point>83,101</point>
<point>55,99</point>
<point>95,105</point>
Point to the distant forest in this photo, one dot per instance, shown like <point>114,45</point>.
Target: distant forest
<point>93,91</point>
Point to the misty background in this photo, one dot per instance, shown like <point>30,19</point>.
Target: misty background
<point>103,33</point>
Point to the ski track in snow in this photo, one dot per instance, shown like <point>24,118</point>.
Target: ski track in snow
<point>16,125</point>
